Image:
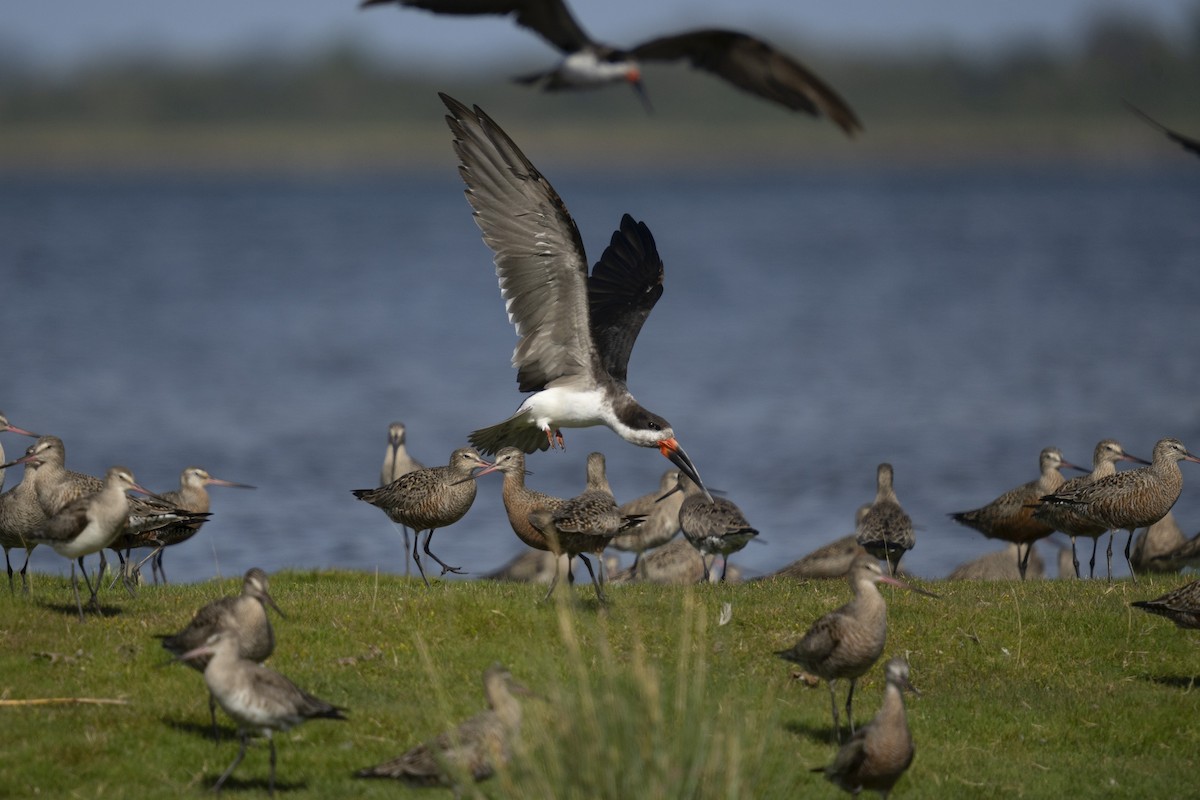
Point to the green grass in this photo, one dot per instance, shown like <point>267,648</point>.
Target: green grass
<point>1049,688</point>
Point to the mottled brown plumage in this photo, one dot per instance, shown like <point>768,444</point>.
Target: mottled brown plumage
<point>1136,498</point>
<point>244,615</point>
<point>474,750</point>
<point>1064,518</point>
<point>1181,606</point>
<point>875,757</point>
<point>1010,516</point>
<point>846,642</point>
<point>830,560</point>
<point>583,524</point>
<point>192,495</point>
<point>519,499</point>
<point>885,531</point>
<point>20,516</point>
<point>715,527</point>
<point>428,499</point>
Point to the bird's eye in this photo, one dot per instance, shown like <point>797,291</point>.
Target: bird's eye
<point>654,426</point>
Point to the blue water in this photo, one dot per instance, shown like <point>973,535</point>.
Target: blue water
<point>951,321</point>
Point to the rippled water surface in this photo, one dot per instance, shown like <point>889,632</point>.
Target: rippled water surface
<point>815,323</point>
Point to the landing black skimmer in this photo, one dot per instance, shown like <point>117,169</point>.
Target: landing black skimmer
<point>576,332</point>
<point>1186,142</point>
<point>747,62</point>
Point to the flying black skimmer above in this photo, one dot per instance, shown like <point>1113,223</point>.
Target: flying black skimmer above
<point>745,61</point>
<point>1186,142</point>
<point>575,332</point>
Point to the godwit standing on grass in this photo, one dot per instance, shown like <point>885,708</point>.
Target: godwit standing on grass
<point>885,531</point>
<point>1181,606</point>
<point>876,756</point>
<point>474,750</point>
<point>1063,518</point>
<point>1155,549</point>
<point>520,501</point>
<point>583,524</point>
<point>429,499</point>
<point>1186,142</point>
<point>1010,516</point>
<point>397,462</point>
<point>660,523</point>
<point>750,64</point>
<point>715,527</point>
<point>89,525</point>
<point>245,615</point>
<point>575,332</point>
<point>20,516</point>
<point>847,642</point>
<point>1133,499</point>
<point>256,697</point>
<point>192,495</point>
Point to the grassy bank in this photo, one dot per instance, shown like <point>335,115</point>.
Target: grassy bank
<point>1029,690</point>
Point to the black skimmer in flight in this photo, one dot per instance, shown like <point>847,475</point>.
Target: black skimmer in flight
<point>1186,142</point>
<point>747,62</point>
<point>576,332</point>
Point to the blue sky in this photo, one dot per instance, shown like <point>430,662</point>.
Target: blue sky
<point>64,32</point>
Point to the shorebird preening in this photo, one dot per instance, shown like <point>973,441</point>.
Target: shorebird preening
<point>258,698</point>
<point>876,756</point>
<point>575,332</point>
<point>745,61</point>
<point>885,531</point>
<point>846,642</point>
<point>1010,516</point>
<point>1136,498</point>
<point>245,615</point>
<point>475,749</point>
<point>428,499</point>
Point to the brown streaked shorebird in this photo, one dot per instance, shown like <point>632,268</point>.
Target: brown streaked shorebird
<point>397,462</point>
<point>1181,606</point>
<point>846,642</point>
<point>1160,548</point>
<point>1133,499</point>
<point>258,698</point>
<point>831,560</point>
<point>660,523</point>
<point>1062,518</point>
<point>715,527</point>
<point>999,565</point>
<point>746,62</point>
<point>245,615</point>
<point>429,499</point>
<point>192,495</point>
<point>875,757</point>
<point>575,332</point>
<point>530,566</point>
<point>88,525</point>
<point>1186,142</point>
<point>584,524</point>
<point>1010,516</point>
<point>475,749</point>
<point>885,531</point>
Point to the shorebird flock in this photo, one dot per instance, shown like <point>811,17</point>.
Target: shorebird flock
<point>576,331</point>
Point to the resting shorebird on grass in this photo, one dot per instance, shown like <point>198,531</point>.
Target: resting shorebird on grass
<point>576,332</point>
<point>745,61</point>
